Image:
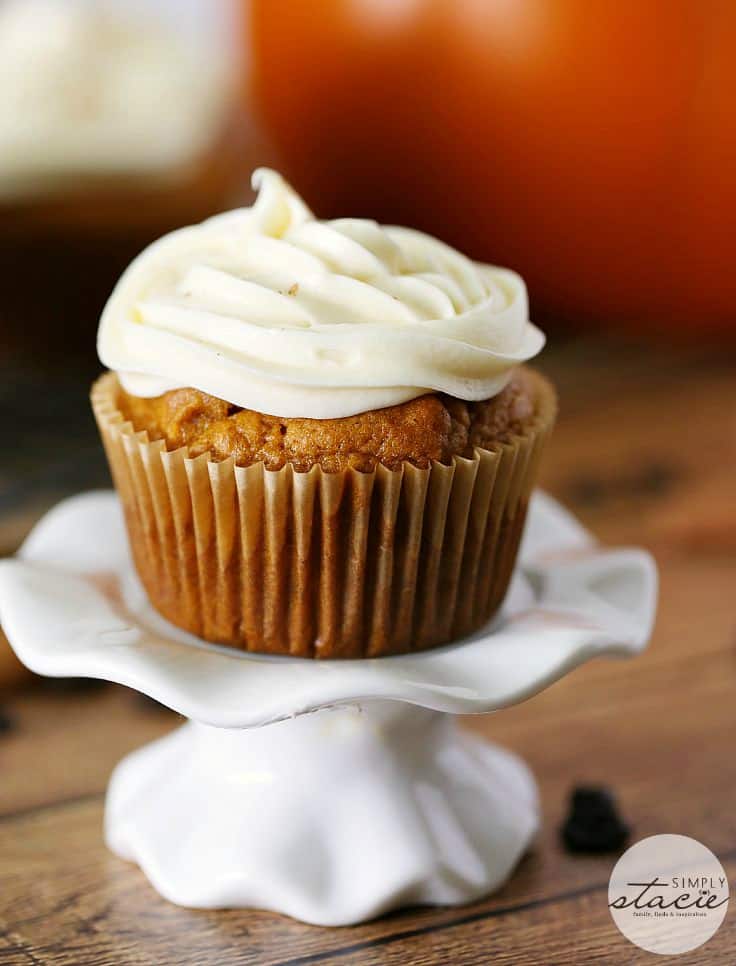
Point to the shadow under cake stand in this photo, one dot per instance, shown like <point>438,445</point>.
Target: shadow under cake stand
<point>329,791</point>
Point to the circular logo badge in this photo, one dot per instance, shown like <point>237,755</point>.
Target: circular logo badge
<point>668,894</point>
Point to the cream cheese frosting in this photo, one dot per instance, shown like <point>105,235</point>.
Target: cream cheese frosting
<point>86,90</point>
<point>271,309</point>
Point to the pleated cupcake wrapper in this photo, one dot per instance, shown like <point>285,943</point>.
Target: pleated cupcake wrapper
<point>321,564</point>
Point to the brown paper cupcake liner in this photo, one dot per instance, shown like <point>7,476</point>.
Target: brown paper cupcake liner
<point>317,564</point>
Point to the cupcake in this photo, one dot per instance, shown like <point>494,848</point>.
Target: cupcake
<point>114,128</point>
<point>323,433</point>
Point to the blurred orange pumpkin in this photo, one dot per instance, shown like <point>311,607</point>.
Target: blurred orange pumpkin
<point>590,145</point>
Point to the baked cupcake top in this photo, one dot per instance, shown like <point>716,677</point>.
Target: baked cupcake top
<point>271,310</point>
<point>431,429</point>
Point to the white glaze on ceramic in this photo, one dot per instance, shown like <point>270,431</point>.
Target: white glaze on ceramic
<point>368,804</point>
<point>332,817</point>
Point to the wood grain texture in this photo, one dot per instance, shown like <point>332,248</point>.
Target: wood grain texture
<point>645,452</point>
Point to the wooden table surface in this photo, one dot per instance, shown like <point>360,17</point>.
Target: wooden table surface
<point>645,452</point>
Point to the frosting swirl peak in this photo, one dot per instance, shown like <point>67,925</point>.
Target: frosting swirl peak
<point>272,310</point>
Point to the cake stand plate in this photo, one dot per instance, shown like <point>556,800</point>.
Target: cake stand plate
<point>361,794</point>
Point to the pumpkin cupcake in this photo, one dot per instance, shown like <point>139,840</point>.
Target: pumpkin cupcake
<point>322,432</point>
<point>114,128</point>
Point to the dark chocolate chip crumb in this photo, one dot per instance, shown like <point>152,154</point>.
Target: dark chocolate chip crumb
<point>593,824</point>
<point>6,722</point>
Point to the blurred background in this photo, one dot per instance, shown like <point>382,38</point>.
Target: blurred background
<point>588,144</point>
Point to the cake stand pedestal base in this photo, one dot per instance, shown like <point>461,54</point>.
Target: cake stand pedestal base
<point>331,817</point>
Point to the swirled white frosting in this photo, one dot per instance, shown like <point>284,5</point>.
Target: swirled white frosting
<point>85,90</point>
<point>273,310</point>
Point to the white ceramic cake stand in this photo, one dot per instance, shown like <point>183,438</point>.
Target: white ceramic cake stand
<point>375,801</point>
